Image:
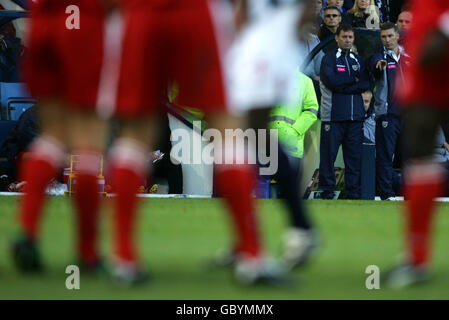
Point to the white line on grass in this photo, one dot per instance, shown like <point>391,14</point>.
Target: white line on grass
<point>143,195</point>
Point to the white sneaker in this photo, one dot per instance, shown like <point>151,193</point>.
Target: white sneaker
<point>299,245</point>
<point>253,271</point>
<point>406,275</point>
<point>223,259</point>
<point>128,274</point>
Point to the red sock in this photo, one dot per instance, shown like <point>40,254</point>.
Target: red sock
<point>128,165</point>
<point>424,182</point>
<point>38,168</point>
<point>87,201</point>
<point>127,182</point>
<point>236,184</point>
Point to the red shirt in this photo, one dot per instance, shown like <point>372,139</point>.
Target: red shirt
<point>85,6</point>
<point>425,85</point>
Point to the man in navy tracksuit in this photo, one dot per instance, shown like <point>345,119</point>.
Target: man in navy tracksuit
<point>343,79</point>
<point>385,67</point>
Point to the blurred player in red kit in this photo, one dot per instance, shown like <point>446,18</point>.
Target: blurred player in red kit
<point>70,68</point>
<point>169,42</point>
<point>75,73</point>
<point>425,97</point>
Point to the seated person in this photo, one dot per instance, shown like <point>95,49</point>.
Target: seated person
<point>441,153</point>
<point>11,49</point>
<point>16,143</point>
<point>7,29</point>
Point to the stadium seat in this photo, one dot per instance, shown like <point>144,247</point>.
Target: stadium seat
<point>14,100</point>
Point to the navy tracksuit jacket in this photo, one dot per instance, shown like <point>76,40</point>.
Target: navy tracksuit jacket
<point>388,121</point>
<point>343,78</point>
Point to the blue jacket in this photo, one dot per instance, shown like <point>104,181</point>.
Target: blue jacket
<point>341,93</point>
<point>384,98</point>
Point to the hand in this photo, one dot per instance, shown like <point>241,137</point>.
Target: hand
<point>381,65</point>
<point>357,79</point>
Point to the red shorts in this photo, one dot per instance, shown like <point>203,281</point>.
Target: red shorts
<point>62,63</point>
<point>165,46</point>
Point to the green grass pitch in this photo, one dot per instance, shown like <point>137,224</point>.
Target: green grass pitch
<point>177,236</point>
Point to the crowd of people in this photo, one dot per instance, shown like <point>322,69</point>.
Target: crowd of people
<point>357,92</point>
<point>409,100</point>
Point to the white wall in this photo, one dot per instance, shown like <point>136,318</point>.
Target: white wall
<point>197,178</point>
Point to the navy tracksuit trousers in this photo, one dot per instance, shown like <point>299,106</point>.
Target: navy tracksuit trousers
<point>348,134</point>
<point>388,128</point>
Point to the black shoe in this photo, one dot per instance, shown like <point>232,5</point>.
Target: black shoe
<point>25,255</point>
<point>97,268</point>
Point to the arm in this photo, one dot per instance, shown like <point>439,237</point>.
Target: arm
<point>309,109</point>
<point>364,83</point>
<point>377,64</point>
<point>317,64</point>
<point>332,79</point>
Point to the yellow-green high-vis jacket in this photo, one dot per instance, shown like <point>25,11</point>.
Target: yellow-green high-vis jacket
<point>293,120</point>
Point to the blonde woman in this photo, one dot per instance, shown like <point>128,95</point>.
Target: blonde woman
<point>364,14</point>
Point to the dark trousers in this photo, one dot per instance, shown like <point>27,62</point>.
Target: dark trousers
<point>388,128</point>
<point>348,134</point>
<point>289,177</point>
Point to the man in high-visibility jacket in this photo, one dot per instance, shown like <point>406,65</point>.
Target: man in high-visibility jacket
<point>292,123</point>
